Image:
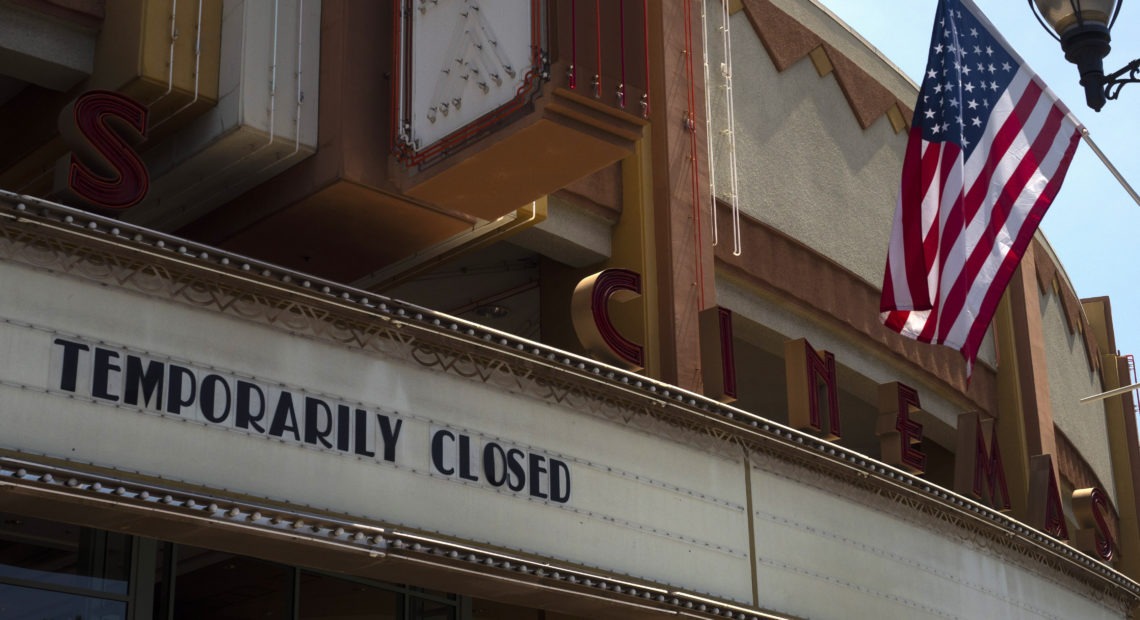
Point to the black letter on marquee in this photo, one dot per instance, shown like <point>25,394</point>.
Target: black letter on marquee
<point>465,459</point>
<point>284,418</point>
<point>315,410</point>
<point>150,380</point>
<point>362,434</point>
<point>494,467</point>
<point>70,363</point>
<point>103,370</point>
<point>343,432</point>
<point>174,401</point>
<point>245,418</point>
<point>209,384</point>
<point>559,474</point>
<point>536,471</point>
<point>437,451</point>
<point>515,461</point>
<point>390,434</point>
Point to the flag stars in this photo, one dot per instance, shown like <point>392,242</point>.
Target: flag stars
<point>938,48</point>
<point>989,51</point>
<point>972,104</point>
<point>966,70</point>
<point>974,33</point>
<point>932,74</point>
<point>994,86</point>
<point>976,121</point>
<point>1005,66</point>
<point>992,68</point>
<point>953,103</point>
<point>969,87</point>
<point>929,113</point>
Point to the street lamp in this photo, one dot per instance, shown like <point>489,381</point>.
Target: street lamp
<point>1082,27</point>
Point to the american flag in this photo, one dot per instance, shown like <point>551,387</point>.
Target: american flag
<point>989,146</point>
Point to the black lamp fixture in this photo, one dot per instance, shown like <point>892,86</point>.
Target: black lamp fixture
<point>1083,27</point>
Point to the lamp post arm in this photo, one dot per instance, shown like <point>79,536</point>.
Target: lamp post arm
<point>1113,82</point>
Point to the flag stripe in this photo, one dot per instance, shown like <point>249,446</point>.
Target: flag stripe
<point>987,152</point>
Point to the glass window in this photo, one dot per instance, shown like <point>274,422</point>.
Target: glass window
<point>23,603</point>
<point>62,555</point>
<point>329,598</point>
<point>223,586</point>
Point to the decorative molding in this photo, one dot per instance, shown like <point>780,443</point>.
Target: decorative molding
<point>1050,280</point>
<point>787,41</point>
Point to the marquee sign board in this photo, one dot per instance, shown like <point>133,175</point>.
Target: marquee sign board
<point>176,380</point>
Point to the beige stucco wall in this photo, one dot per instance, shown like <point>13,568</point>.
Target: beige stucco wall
<point>1071,379</point>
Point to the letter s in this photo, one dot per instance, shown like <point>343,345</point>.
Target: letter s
<point>104,169</point>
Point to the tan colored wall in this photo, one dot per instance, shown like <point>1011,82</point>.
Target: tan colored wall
<point>1070,379</point>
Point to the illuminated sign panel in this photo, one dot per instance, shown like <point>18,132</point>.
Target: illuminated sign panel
<point>462,61</point>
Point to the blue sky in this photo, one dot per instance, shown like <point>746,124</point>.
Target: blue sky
<point>1094,226</point>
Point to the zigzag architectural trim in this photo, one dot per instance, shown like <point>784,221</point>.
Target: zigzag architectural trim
<point>787,41</point>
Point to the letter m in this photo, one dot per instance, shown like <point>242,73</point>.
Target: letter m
<point>978,470</point>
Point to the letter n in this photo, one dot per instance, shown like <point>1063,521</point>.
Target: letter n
<point>811,374</point>
<point>978,470</point>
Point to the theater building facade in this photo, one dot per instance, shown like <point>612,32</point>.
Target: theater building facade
<point>512,309</point>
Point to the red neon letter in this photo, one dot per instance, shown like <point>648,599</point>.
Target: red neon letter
<point>590,312</point>
<point>1045,510</point>
<point>1089,506</point>
<point>105,171</point>
<point>718,360</point>
<point>899,436</point>
<point>978,470</point>
<point>808,372</point>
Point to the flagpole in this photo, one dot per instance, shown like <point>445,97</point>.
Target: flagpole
<point>1109,394</point>
<point>1107,164</point>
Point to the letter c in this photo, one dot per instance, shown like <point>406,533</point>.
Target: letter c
<point>589,309</point>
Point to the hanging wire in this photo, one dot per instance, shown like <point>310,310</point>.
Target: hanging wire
<point>573,77</point>
<point>734,187</point>
<point>708,122</point>
<point>690,126</point>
